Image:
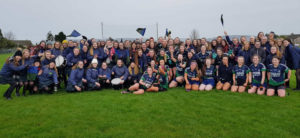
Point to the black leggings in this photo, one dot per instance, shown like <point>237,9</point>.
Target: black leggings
<point>11,88</point>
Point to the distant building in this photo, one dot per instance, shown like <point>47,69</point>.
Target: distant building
<point>23,43</point>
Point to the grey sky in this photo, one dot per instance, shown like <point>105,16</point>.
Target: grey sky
<point>32,19</point>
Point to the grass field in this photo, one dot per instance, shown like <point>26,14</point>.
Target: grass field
<point>174,113</point>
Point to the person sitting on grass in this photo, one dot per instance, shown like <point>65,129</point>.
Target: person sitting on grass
<point>76,79</point>
<point>192,77</point>
<point>224,74</point>
<point>179,76</point>
<point>48,78</point>
<point>257,76</point>
<point>146,83</point>
<point>92,76</point>
<point>104,75</point>
<point>276,77</point>
<point>240,76</point>
<point>134,74</point>
<point>120,71</point>
<point>208,72</point>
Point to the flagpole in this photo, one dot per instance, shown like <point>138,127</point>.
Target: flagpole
<point>102,30</point>
<point>157,31</point>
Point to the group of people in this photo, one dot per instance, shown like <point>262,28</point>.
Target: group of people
<point>259,65</point>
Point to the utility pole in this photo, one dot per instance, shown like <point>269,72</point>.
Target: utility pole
<point>156,31</point>
<point>102,30</point>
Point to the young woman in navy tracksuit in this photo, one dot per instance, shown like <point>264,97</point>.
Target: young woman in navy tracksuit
<point>123,54</point>
<point>217,60</point>
<point>202,55</point>
<point>224,74</point>
<point>69,49</point>
<point>84,52</point>
<point>92,76</point>
<point>292,56</point>
<point>245,52</point>
<point>6,73</point>
<point>46,59</point>
<point>76,78</point>
<point>72,59</point>
<point>48,78</point>
<point>57,50</point>
<point>274,51</point>
<point>23,73</point>
<point>98,53</point>
<point>134,75</point>
<point>234,45</point>
<point>151,56</point>
<point>141,61</point>
<point>104,75</point>
<point>120,71</point>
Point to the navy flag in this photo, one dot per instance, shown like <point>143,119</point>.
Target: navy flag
<point>84,37</point>
<point>168,32</point>
<point>141,31</point>
<point>74,34</point>
<point>222,20</point>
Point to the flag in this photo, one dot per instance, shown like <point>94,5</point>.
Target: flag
<point>84,37</point>
<point>74,34</point>
<point>141,31</point>
<point>222,20</point>
<point>168,32</point>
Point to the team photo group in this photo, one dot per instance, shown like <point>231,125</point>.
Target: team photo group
<point>260,64</point>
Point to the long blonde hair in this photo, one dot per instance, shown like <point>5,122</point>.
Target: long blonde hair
<point>48,66</point>
<point>44,55</point>
<point>23,58</point>
<point>136,69</point>
<point>92,49</point>
<point>278,53</point>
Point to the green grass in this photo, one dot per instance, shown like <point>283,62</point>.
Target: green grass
<point>175,113</point>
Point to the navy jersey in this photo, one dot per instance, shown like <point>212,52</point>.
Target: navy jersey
<point>257,72</point>
<point>190,73</point>
<point>240,72</point>
<point>147,79</point>
<point>179,69</point>
<point>171,62</point>
<point>202,57</point>
<point>277,75</point>
<point>209,72</point>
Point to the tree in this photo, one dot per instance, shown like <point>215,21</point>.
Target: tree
<point>60,37</point>
<point>1,35</point>
<point>10,35</point>
<point>49,36</point>
<point>194,34</point>
<point>5,43</point>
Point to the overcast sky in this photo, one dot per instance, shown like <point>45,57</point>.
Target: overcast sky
<point>32,19</point>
